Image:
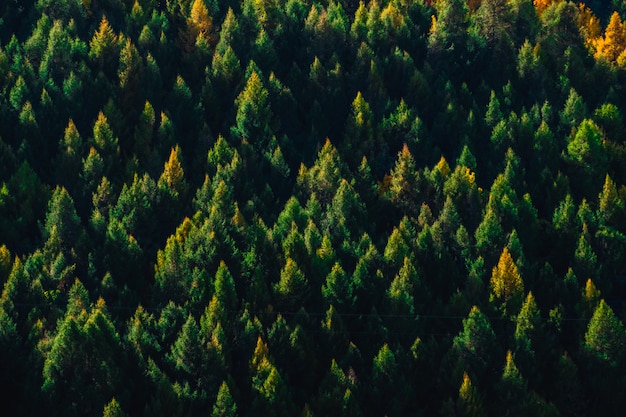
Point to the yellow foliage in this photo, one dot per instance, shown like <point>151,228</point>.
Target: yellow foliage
<point>506,281</point>
<point>173,174</point>
<point>470,176</point>
<point>589,25</point>
<point>238,219</point>
<point>199,28</point>
<point>433,24</point>
<point>392,17</point>
<point>200,18</point>
<point>542,5</point>
<point>6,261</point>
<point>103,40</point>
<point>183,230</point>
<point>591,295</point>
<point>260,354</point>
<point>443,167</point>
<point>613,44</point>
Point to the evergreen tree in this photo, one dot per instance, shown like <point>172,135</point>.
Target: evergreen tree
<point>224,404</point>
<point>254,113</point>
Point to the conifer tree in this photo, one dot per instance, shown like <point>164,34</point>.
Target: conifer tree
<point>470,403</point>
<point>104,46</point>
<point>69,160</point>
<point>404,182</point>
<point>613,44</point>
<point>254,113</point>
<point>113,409</point>
<point>292,289</point>
<point>605,335</point>
<point>130,72</point>
<point>224,405</point>
<point>172,179</point>
<point>476,344</point>
<point>506,285</point>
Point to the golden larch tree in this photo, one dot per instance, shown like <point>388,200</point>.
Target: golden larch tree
<point>506,285</point>
<point>589,25</point>
<point>173,176</point>
<point>611,46</point>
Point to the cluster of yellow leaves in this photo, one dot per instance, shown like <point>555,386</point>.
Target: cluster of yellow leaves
<point>542,5</point>
<point>612,46</point>
<point>199,27</point>
<point>589,25</point>
<point>506,282</point>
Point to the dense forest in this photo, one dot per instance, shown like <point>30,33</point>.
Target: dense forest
<point>312,208</point>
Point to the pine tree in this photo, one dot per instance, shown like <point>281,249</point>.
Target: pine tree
<point>337,290</point>
<point>63,229</point>
<point>476,344</point>
<point>402,289</point>
<point>104,46</point>
<point>359,131</point>
<point>512,389</point>
<point>130,73</point>
<point>113,409</point>
<point>254,113</point>
<point>224,405</point>
<point>404,182</point>
<point>292,289</point>
<point>610,204</point>
<point>188,356</point>
<point>106,144</point>
<point>605,335</point>
<point>470,403</point>
<point>71,148</point>
<point>225,289</point>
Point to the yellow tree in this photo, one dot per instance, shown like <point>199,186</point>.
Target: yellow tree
<point>506,285</point>
<point>173,176</point>
<point>104,46</point>
<point>470,403</point>
<point>589,25</point>
<point>611,46</point>
<point>199,24</point>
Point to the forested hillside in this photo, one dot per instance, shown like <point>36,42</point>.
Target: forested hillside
<point>312,208</point>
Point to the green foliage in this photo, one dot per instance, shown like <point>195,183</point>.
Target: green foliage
<point>605,334</point>
<point>476,343</point>
<point>254,113</point>
<point>371,172</point>
<point>224,404</point>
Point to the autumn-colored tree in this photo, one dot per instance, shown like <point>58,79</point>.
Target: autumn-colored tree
<point>104,46</point>
<point>292,289</point>
<point>325,176</point>
<point>172,179</point>
<point>589,25</point>
<point>470,402</point>
<point>130,72</point>
<point>199,26</point>
<point>404,181</point>
<point>613,44</point>
<point>113,409</point>
<point>506,285</point>
<point>542,5</point>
